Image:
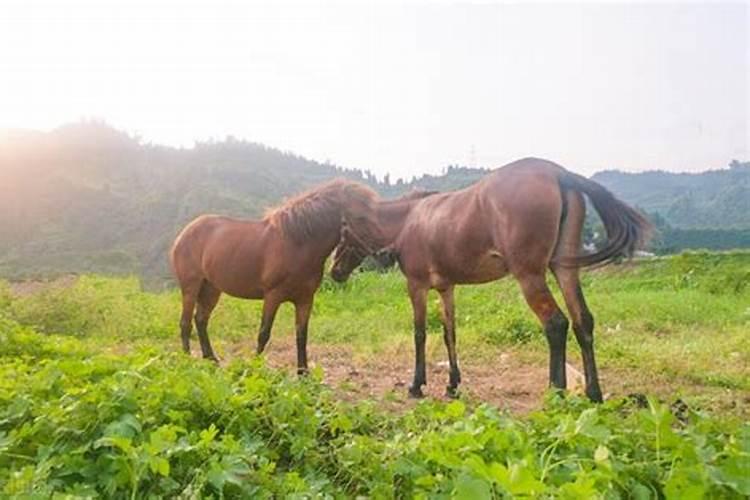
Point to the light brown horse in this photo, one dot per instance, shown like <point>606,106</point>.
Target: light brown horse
<point>521,219</point>
<point>278,259</point>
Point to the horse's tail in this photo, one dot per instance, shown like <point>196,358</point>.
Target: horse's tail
<point>627,229</point>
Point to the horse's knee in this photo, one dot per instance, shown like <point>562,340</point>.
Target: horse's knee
<point>556,330</point>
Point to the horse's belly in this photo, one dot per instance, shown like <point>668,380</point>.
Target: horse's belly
<point>245,293</point>
<point>237,286</point>
<point>489,267</point>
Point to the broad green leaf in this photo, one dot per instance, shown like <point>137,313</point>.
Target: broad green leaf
<point>471,488</point>
<point>455,409</point>
<point>159,465</point>
<point>686,483</point>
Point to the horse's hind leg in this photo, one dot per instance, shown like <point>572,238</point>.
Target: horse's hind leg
<point>569,244</point>
<point>555,324</point>
<point>449,336</point>
<point>186,320</point>
<point>208,297</point>
<point>583,326</point>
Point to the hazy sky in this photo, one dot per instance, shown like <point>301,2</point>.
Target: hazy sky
<point>401,88</point>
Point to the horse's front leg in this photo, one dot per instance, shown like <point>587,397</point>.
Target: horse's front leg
<point>302,318</point>
<point>418,296</point>
<point>270,306</point>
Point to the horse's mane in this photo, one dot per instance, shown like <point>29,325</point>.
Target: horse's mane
<point>319,209</point>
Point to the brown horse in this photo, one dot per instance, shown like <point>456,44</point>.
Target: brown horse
<point>278,259</point>
<point>521,219</point>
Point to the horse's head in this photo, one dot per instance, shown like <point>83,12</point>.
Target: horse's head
<point>350,252</point>
<point>360,233</point>
<point>362,236</point>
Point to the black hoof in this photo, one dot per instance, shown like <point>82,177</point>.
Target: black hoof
<point>212,358</point>
<point>416,392</point>
<point>303,372</point>
<point>595,397</point>
<point>452,392</point>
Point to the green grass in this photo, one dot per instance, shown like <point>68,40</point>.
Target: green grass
<point>684,318</point>
<point>96,401</point>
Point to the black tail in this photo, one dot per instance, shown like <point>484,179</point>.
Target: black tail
<point>627,230</point>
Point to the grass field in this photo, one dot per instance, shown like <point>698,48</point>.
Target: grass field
<point>95,400</point>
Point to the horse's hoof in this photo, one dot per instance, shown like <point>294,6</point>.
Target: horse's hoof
<point>302,372</point>
<point>211,358</point>
<point>416,392</point>
<point>452,392</point>
<point>595,397</point>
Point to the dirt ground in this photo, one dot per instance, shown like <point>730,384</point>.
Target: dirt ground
<point>507,379</point>
<point>510,383</point>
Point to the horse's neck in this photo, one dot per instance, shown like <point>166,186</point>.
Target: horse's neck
<point>392,217</point>
<point>325,242</point>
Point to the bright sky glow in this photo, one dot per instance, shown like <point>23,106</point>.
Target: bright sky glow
<point>399,88</point>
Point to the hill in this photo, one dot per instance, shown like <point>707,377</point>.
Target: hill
<point>89,198</point>
<point>712,199</point>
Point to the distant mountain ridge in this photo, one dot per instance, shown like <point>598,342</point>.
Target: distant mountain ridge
<point>711,199</point>
<point>89,198</point>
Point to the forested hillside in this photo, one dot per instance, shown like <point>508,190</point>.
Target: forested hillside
<point>713,199</point>
<point>87,197</point>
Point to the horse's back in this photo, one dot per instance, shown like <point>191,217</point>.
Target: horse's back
<point>205,233</point>
<point>529,165</point>
<point>475,234</point>
<point>195,234</point>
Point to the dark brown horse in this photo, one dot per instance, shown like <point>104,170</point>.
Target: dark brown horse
<point>521,219</point>
<point>278,259</point>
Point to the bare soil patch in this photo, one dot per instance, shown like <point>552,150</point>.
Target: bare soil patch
<point>507,379</point>
<point>510,383</point>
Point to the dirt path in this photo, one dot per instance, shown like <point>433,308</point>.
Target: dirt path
<point>510,380</point>
<point>510,383</point>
